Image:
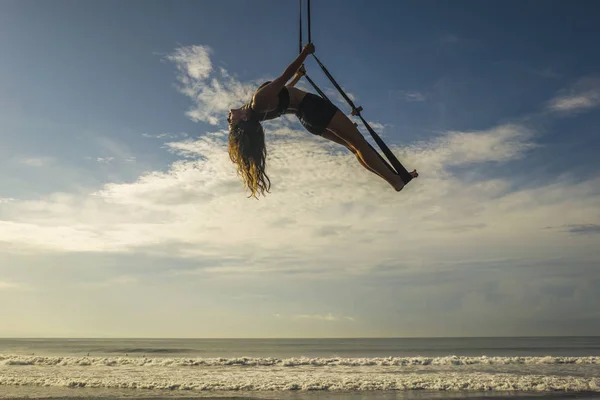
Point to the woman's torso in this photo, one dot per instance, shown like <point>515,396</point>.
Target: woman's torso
<point>296,96</point>
<point>289,99</point>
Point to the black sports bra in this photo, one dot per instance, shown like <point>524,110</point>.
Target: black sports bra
<point>282,105</point>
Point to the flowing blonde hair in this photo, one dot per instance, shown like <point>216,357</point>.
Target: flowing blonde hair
<point>247,149</point>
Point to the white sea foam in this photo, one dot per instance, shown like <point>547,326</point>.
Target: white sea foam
<point>294,361</point>
<point>538,374</point>
<point>274,380</point>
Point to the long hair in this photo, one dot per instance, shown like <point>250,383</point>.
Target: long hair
<point>246,146</point>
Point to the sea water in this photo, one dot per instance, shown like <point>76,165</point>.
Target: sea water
<point>394,368</point>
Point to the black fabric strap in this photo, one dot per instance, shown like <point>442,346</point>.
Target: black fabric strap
<point>300,36</point>
<point>309,38</point>
<point>314,85</point>
<point>396,166</point>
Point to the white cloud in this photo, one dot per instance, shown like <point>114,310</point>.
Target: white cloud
<point>193,62</point>
<point>166,135</point>
<point>212,97</point>
<point>15,287</point>
<point>334,95</point>
<point>324,317</point>
<point>326,217</point>
<point>8,285</point>
<point>324,209</point>
<point>119,280</point>
<point>498,144</point>
<point>36,161</point>
<point>214,92</point>
<point>105,160</point>
<point>584,95</point>
<point>576,102</point>
<point>413,96</point>
<point>378,127</point>
<point>112,148</point>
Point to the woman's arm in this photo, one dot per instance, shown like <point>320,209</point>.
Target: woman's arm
<point>265,99</point>
<point>301,72</point>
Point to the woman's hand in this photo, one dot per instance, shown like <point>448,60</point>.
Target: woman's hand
<point>267,95</point>
<point>309,48</point>
<point>301,71</point>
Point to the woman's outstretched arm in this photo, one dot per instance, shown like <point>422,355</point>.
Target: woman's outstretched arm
<point>301,72</point>
<point>265,99</point>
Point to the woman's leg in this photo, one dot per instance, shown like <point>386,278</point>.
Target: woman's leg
<point>342,127</point>
<point>335,138</point>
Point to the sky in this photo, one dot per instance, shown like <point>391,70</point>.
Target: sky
<point>121,214</point>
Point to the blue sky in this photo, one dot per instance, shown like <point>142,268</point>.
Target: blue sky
<point>115,184</point>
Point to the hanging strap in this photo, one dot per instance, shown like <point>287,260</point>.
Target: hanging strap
<point>309,38</point>
<point>314,85</point>
<point>396,166</point>
<point>300,35</point>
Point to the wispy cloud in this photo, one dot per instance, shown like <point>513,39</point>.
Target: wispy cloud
<point>110,150</point>
<point>334,95</point>
<point>331,206</point>
<point>8,285</point>
<point>413,96</point>
<point>498,144</point>
<point>36,161</point>
<point>327,218</point>
<point>583,95</point>
<point>113,160</point>
<point>215,91</point>
<point>212,97</point>
<point>170,136</point>
<point>195,208</point>
<point>324,317</point>
<point>119,280</point>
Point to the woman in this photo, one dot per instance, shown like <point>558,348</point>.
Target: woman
<point>320,117</point>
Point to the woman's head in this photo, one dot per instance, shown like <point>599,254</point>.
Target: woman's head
<point>247,149</point>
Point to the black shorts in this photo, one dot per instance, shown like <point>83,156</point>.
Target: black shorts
<point>315,113</point>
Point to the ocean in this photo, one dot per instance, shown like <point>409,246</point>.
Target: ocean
<point>302,369</point>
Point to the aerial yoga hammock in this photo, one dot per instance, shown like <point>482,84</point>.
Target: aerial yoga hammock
<point>246,144</point>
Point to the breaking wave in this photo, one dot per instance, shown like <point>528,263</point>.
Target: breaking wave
<point>454,373</point>
<point>278,382</point>
<point>294,361</point>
